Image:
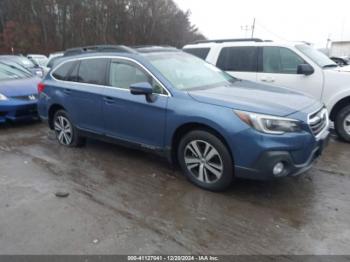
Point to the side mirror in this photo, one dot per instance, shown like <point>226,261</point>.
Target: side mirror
<point>141,89</point>
<point>305,69</point>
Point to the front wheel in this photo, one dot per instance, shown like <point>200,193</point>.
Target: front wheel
<point>206,161</point>
<point>342,124</point>
<point>66,134</point>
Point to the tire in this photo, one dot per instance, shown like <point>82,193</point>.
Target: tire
<point>212,167</point>
<point>342,124</point>
<point>70,137</point>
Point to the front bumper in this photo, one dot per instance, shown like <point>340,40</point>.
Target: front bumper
<point>18,111</point>
<point>262,169</point>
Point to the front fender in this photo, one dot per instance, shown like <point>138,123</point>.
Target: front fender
<point>221,119</point>
<point>335,98</point>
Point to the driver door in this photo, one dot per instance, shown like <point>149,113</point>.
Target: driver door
<point>131,117</point>
<point>278,66</point>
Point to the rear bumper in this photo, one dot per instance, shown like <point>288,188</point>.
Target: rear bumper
<point>18,112</point>
<point>262,169</point>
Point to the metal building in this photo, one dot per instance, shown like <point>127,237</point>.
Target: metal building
<point>340,49</point>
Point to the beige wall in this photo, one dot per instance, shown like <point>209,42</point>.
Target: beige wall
<point>340,49</point>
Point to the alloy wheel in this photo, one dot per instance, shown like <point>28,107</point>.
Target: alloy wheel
<point>203,161</point>
<point>64,131</point>
<point>347,124</point>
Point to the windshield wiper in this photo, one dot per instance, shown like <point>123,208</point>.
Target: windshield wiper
<point>330,66</point>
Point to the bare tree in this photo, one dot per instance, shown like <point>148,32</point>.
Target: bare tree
<point>48,25</point>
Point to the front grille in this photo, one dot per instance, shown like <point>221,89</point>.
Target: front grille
<point>318,121</point>
<point>30,111</point>
<point>27,98</point>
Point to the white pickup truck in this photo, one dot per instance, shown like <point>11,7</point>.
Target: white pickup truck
<point>297,66</point>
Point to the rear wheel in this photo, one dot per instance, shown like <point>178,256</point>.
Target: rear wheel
<point>66,133</point>
<point>342,123</point>
<point>206,161</point>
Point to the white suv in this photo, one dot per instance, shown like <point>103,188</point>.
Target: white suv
<point>297,66</point>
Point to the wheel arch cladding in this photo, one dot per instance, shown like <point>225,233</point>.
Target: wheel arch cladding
<point>53,109</point>
<point>338,106</point>
<point>184,129</point>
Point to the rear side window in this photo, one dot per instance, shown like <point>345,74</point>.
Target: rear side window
<point>199,52</point>
<point>62,72</point>
<point>239,59</point>
<point>93,71</point>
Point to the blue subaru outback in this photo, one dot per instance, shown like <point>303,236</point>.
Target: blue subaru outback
<point>214,126</point>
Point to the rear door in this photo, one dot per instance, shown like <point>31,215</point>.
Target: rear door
<point>239,61</point>
<point>82,91</point>
<point>131,117</point>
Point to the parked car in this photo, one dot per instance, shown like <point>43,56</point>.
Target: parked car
<point>25,62</point>
<point>161,99</point>
<point>291,65</point>
<point>344,69</point>
<point>340,61</point>
<point>16,66</point>
<point>53,58</point>
<point>40,60</point>
<point>54,55</point>
<point>18,94</point>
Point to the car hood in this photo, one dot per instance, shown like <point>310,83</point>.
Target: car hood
<point>344,69</point>
<point>19,87</point>
<point>253,97</point>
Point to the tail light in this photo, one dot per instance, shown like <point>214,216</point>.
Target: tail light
<point>41,87</point>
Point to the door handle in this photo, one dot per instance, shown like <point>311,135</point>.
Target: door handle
<point>67,91</point>
<point>109,100</point>
<point>268,79</point>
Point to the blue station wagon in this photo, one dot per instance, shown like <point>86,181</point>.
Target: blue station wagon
<point>216,127</point>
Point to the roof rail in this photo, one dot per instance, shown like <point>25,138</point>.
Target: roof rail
<point>154,48</point>
<point>98,48</point>
<point>229,40</point>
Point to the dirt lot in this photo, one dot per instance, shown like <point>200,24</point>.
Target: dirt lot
<point>122,202</point>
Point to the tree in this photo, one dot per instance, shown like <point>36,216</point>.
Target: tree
<point>49,25</point>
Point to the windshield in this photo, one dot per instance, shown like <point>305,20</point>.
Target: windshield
<point>17,66</point>
<point>41,61</point>
<point>318,57</point>
<point>53,61</point>
<point>186,72</point>
<point>26,62</point>
<point>8,73</point>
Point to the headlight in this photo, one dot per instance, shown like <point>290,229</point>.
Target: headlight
<point>269,124</point>
<point>3,98</point>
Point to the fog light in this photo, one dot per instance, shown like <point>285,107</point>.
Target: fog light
<point>278,169</point>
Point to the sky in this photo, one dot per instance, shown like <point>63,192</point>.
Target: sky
<point>313,21</point>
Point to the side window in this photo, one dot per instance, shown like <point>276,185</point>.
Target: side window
<point>280,60</point>
<point>239,59</point>
<point>199,52</point>
<point>61,73</point>
<point>93,71</point>
<point>123,75</point>
<point>73,75</point>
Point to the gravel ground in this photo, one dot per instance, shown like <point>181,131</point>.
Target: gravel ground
<point>128,202</point>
